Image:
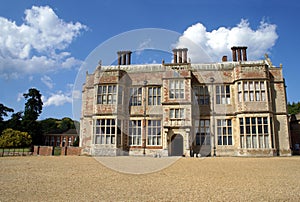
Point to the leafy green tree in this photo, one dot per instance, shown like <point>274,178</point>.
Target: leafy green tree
<point>293,108</point>
<point>15,122</point>
<point>49,125</point>
<point>66,124</point>
<point>33,105</point>
<point>33,108</point>
<point>14,138</point>
<point>4,110</point>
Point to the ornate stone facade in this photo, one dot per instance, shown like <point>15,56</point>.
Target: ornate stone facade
<point>231,108</point>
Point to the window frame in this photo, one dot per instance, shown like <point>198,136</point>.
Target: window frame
<point>154,133</point>
<point>202,94</point>
<point>105,129</point>
<point>154,95</point>
<point>252,91</point>
<point>176,89</point>
<point>223,94</point>
<point>255,132</point>
<point>202,132</point>
<point>224,132</point>
<point>177,113</point>
<point>136,96</point>
<point>107,96</point>
<point>135,132</point>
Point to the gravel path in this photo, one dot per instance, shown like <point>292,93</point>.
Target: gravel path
<point>79,178</point>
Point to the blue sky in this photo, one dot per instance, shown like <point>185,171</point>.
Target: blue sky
<point>46,54</point>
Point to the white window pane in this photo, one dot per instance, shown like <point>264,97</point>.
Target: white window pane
<point>254,141</point>
<point>266,141</point>
<point>256,85</point>
<point>171,113</point>
<point>242,142</point>
<point>239,86</point>
<point>263,96</point>
<point>246,96</point>
<point>172,84</point>
<point>261,141</point>
<point>251,96</point>
<point>248,141</point>
<point>177,84</point>
<point>257,96</point>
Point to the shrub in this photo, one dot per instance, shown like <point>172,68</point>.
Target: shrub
<point>14,138</point>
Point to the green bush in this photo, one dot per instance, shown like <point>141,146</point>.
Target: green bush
<point>13,138</point>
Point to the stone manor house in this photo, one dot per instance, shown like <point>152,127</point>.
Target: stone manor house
<point>229,108</point>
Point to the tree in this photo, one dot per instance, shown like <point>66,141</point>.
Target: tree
<point>15,122</point>
<point>14,138</point>
<point>293,108</point>
<point>33,108</point>
<point>66,124</point>
<point>34,104</point>
<point>3,112</point>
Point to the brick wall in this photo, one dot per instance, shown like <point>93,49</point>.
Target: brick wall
<point>48,151</point>
<point>43,150</point>
<point>71,151</point>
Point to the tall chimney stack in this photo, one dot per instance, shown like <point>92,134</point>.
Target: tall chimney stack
<point>239,53</point>
<point>124,57</point>
<point>180,55</point>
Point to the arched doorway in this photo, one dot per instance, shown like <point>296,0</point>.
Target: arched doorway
<point>176,146</point>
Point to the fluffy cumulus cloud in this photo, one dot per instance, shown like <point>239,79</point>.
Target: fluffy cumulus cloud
<point>38,44</point>
<point>57,99</point>
<point>210,46</point>
<point>60,98</point>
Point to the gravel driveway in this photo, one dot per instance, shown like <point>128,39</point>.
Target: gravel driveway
<point>80,178</point>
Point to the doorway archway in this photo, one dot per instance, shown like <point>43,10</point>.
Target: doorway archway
<point>176,146</point>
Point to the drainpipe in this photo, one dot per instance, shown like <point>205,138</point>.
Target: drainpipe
<point>144,125</point>
<point>212,80</point>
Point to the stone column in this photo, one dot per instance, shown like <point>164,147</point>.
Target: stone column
<point>123,58</point>
<point>175,55</point>
<point>119,58</point>
<point>128,57</point>
<point>233,49</point>
<point>184,55</point>
<point>239,54</point>
<point>180,55</point>
<point>244,53</point>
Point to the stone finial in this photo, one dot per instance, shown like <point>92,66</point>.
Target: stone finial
<point>268,60</point>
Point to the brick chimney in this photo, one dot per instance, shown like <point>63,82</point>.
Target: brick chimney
<point>180,55</point>
<point>124,57</point>
<point>224,58</point>
<point>239,53</point>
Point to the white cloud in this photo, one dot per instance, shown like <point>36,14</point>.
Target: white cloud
<point>47,81</point>
<point>210,46</point>
<point>57,99</point>
<point>36,46</point>
<point>20,96</point>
